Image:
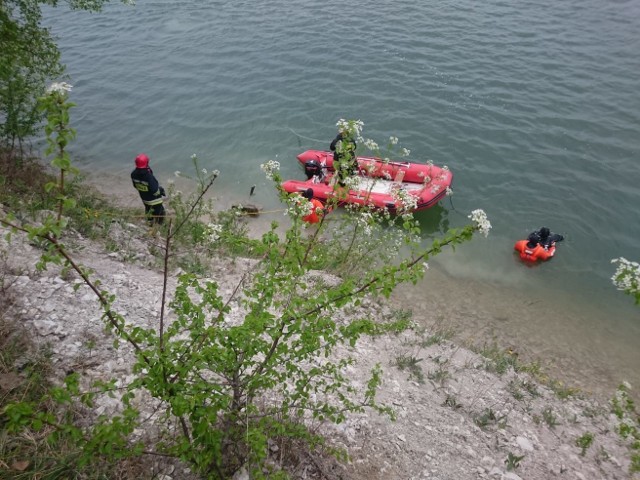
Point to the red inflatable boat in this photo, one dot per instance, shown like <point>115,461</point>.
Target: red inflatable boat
<point>384,184</point>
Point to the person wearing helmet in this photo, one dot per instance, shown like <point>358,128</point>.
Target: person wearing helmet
<point>149,189</point>
<point>345,162</point>
<point>531,249</point>
<point>547,238</point>
<point>317,208</point>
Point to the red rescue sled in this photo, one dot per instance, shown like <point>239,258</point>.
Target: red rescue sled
<point>378,181</point>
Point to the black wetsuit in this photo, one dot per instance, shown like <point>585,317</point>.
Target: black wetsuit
<point>552,238</point>
<point>150,192</point>
<point>344,156</point>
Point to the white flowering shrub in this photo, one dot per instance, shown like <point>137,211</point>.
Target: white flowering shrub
<point>482,223</point>
<point>235,371</point>
<point>627,277</point>
<point>270,168</point>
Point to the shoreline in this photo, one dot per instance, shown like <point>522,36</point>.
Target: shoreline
<point>459,414</point>
<point>485,313</point>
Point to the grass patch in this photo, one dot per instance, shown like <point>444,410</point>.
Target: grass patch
<point>410,363</point>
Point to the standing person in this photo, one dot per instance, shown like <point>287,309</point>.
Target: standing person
<point>344,147</point>
<point>316,204</point>
<point>149,189</point>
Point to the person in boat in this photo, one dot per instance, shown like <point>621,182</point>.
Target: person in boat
<point>317,210</point>
<point>531,250</point>
<point>548,239</point>
<point>344,147</point>
<point>150,191</point>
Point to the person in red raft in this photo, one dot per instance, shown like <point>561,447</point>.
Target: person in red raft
<point>540,245</point>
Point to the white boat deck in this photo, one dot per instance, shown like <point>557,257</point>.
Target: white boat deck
<point>380,185</point>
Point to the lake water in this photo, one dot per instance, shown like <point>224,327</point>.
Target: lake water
<point>533,105</point>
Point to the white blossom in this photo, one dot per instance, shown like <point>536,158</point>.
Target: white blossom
<point>194,156</point>
<point>370,144</point>
<point>627,276</point>
<point>393,140</point>
<point>449,192</point>
<point>213,232</point>
<point>177,173</point>
<point>270,168</point>
<point>407,201</point>
<point>298,206</point>
<point>204,171</point>
<point>353,127</point>
<point>59,87</point>
<point>352,182</point>
<point>479,217</point>
<point>405,152</point>
<point>425,265</point>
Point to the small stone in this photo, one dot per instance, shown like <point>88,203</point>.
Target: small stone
<point>524,443</point>
<point>495,472</point>
<point>511,476</point>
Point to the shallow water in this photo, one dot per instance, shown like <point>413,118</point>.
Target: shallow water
<point>534,107</point>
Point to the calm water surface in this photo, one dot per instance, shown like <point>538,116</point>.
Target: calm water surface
<point>533,105</point>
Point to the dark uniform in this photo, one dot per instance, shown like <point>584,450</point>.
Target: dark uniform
<point>548,238</point>
<point>344,156</point>
<point>150,192</point>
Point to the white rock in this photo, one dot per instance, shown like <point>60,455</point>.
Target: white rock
<point>524,443</point>
<point>511,476</point>
<point>488,461</point>
<point>495,472</point>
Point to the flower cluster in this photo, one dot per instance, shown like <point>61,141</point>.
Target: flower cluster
<point>479,217</point>
<point>627,277</point>
<point>298,206</point>
<point>352,127</point>
<point>270,168</point>
<point>393,140</point>
<point>407,201</point>
<point>371,145</point>
<point>365,221</point>
<point>59,87</point>
<point>213,232</point>
<point>352,182</point>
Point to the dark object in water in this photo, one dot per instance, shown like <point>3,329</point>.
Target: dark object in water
<point>249,209</point>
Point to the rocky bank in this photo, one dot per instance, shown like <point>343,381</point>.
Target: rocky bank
<point>457,418</point>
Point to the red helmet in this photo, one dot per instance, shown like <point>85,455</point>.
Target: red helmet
<point>142,161</point>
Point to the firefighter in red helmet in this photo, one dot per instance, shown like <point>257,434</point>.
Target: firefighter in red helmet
<point>149,189</point>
